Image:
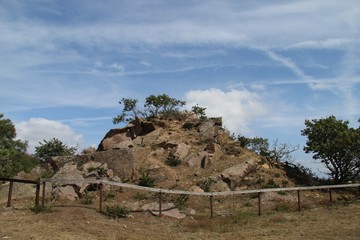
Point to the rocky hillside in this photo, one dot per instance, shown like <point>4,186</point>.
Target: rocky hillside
<point>191,154</point>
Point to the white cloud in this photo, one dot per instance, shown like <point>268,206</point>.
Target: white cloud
<point>237,107</point>
<point>36,130</point>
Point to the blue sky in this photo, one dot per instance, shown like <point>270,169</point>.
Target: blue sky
<point>265,66</point>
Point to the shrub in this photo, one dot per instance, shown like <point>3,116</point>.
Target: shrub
<point>116,211</point>
<point>180,201</point>
<point>141,196</point>
<point>109,196</point>
<point>40,209</point>
<point>173,161</point>
<point>146,180</point>
<point>87,199</point>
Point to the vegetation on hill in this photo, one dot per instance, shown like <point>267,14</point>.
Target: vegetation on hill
<point>336,145</point>
<point>13,156</point>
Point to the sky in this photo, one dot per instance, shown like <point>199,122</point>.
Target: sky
<point>264,66</point>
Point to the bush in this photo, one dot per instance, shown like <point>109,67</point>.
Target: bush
<point>173,161</point>
<point>180,201</point>
<point>40,209</point>
<point>116,211</point>
<point>87,199</point>
<point>146,180</point>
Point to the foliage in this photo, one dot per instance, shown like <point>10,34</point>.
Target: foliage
<point>200,112</point>
<point>257,144</point>
<point>87,199</point>
<point>336,145</point>
<point>146,180</point>
<point>163,105</point>
<point>155,106</point>
<point>99,171</point>
<point>116,211</point>
<point>13,156</point>
<point>180,201</point>
<point>173,161</point>
<point>40,209</point>
<point>300,174</point>
<point>109,196</point>
<point>53,148</point>
<point>129,112</point>
<point>279,152</point>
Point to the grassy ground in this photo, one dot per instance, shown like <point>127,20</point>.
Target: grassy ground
<point>279,220</point>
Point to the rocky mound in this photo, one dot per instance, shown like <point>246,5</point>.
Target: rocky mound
<point>193,154</point>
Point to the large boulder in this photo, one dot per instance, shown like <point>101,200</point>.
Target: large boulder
<point>233,176</point>
<point>199,160</point>
<point>215,152</point>
<point>182,151</point>
<point>210,128</point>
<point>123,137</point>
<point>65,193</point>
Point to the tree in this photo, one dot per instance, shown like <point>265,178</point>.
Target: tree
<point>162,105</point>
<point>13,156</point>
<point>336,145</point>
<point>278,152</point>
<point>155,106</point>
<point>53,148</point>
<point>199,111</point>
<point>129,112</point>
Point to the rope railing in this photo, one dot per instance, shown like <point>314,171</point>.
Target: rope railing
<point>211,195</point>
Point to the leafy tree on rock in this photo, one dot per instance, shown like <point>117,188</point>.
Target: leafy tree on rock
<point>163,105</point>
<point>336,145</point>
<point>129,112</point>
<point>155,106</point>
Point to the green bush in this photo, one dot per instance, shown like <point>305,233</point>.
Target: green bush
<point>40,209</point>
<point>146,180</point>
<point>116,211</point>
<point>180,201</point>
<point>173,161</point>
<point>87,199</point>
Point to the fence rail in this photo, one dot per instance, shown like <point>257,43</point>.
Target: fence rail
<point>11,186</point>
<point>211,195</point>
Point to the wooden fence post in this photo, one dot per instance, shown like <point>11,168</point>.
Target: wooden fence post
<point>211,206</point>
<point>330,193</point>
<point>299,203</point>
<point>259,203</point>
<point>10,194</point>
<point>160,203</point>
<point>43,194</point>
<point>37,196</point>
<point>100,196</point>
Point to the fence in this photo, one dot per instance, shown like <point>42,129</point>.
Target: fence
<point>11,187</point>
<point>211,195</point>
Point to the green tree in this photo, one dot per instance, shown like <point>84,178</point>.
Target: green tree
<point>279,152</point>
<point>53,148</point>
<point>13,156</point>
<point>163,105</point>
<point>129,112</point>
<point>199,111</point>
<point>336,145</point>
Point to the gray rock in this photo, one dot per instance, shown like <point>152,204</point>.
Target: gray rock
<point>233,176</point>
<point>65,193</point>
<point>182,151</point>
<point>167,209</point>
<point>199,160</point>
